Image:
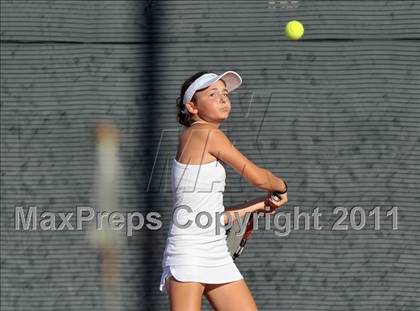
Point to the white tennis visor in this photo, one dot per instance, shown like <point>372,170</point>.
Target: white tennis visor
<point>232,79</point>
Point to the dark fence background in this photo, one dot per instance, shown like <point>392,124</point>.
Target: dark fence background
<point>336,114</point>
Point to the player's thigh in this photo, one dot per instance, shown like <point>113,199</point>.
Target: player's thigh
<point>184,296</point>
<point>233,296</point>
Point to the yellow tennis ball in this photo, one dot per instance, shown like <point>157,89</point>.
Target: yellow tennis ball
<point>294,30</point>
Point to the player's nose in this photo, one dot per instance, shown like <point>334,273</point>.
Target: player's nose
<point>223,98</point>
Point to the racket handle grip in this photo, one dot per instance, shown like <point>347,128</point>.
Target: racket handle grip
<point>273,197</point>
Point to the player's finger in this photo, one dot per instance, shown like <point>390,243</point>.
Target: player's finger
<point>277,202</point>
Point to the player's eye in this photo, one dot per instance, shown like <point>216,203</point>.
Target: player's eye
<point>224,94</point>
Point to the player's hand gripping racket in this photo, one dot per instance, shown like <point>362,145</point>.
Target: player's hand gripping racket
<point>237,241</point>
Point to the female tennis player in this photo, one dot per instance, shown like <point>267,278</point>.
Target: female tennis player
<point>196,260</point>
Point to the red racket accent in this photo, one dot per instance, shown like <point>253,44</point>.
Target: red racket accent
<point>248,231</point>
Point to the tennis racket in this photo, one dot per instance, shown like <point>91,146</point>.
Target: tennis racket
<point>235,240</point>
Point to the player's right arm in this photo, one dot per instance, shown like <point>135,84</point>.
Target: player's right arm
<point>221,147</point>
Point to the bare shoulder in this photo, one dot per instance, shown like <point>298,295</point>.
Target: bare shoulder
<point>222,148</point>
<point>194,144</point>
<point>198,132</point>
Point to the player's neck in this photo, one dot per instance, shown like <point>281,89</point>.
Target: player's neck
<point>199,122</point>
<point>204,122</point>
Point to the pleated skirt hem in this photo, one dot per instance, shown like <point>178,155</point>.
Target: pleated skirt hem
<point>207,275</point>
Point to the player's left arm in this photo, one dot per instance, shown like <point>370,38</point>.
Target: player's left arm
<point>240,210</point>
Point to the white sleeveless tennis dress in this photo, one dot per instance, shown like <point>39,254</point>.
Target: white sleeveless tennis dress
<point>198,252</point>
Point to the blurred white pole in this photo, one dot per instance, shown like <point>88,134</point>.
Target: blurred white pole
<point>105,239</point>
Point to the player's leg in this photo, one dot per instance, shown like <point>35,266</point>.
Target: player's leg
<point>184,296</point>
<point>233,296</point>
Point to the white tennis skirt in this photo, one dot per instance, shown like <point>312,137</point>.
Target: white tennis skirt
<point>209,275</point>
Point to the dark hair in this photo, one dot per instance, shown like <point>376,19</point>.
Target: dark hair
<point>183,115</point>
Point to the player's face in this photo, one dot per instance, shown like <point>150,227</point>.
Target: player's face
<point>213,102</point>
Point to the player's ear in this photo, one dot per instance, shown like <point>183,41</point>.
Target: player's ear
<point>191,107</point>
